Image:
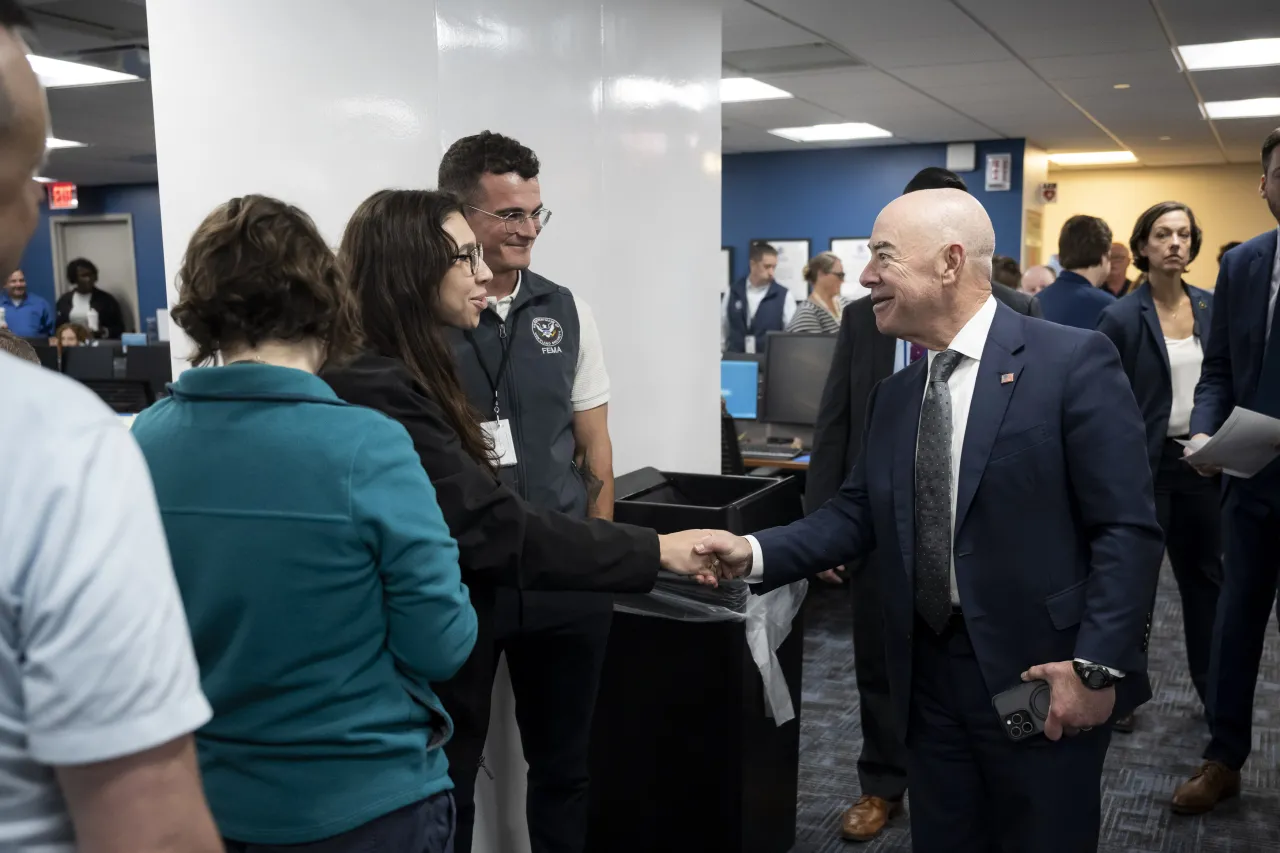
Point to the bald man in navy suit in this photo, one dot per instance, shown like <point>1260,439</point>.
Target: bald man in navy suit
<point>1005,487</point>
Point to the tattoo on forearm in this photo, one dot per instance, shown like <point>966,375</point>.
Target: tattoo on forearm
<point>594,484</point>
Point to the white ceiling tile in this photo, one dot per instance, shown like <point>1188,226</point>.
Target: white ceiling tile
<point>1115,67</point>
<point>1200,21</point>
<point>1236,83</point>
<point>746,27</point>
<point>771,114</point>
<point>1035,30</point>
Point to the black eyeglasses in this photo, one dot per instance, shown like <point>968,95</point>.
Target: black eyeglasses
<point>473,257</point>
<point>516,219</point>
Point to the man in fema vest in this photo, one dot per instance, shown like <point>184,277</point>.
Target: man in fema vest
<point>756,305</point>
<point>534,371</point>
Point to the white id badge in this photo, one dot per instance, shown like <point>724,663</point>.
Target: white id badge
<point>750,344</point>
<point>504,445</point>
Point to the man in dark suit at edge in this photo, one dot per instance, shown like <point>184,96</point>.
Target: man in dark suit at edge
<point>863,357</point>
<point>974,599</point>
<point>1241,368</point>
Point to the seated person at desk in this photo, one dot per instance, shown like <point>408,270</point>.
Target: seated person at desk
<point>73,335</point>
<point>755,305</point>
<point>820,313</point>
<point>25,314</point>
<point>1077,298</point>
<point>87,305</point>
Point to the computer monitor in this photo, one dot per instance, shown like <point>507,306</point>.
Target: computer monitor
<point>152,364</point>
<point>796,368</point>
<point>89,362</point>
<point>740,388</point>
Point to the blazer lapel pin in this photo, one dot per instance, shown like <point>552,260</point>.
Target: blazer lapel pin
<point>1006,378</point>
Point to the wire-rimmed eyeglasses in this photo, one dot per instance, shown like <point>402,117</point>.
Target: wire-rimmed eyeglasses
<point>473,258</point>
<point>516,219</point>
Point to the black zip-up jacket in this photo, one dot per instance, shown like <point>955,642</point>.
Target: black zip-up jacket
<point>502,539</point>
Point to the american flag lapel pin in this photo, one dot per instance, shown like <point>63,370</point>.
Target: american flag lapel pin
<point>1006,378</point>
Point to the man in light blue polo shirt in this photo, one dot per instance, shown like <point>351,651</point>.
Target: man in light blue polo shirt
<point>25,314</point>
<point>99,689</point>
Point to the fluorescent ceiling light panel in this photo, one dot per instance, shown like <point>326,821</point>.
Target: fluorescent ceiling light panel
<point>1250,108</point>
<point>1251,53</point>
<point>832,132</point>
<point>52,143</point>
<point>1093,158</point>
<point>735,90</point>
<point>61,73</point>
<point>43,180</point>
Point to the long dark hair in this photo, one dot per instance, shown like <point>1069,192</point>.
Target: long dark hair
<point>395,253</point>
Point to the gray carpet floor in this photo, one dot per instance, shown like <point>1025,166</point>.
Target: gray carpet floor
<point>1142,768</point>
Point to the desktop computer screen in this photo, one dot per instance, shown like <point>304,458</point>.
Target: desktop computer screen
<point>739,386</point>
<point>796,368</point>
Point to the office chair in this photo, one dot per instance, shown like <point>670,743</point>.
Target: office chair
<point>84,363</point>
<point>152,364</point>
<point>730,453</point>
<point>124,396</point>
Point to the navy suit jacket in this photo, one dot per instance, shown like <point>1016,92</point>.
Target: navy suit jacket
<point>1238,335</point>
<point>1134,327</point>
<point>1057,549</point>
<point>1072,301</point>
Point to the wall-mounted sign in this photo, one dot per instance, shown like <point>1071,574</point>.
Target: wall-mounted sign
<point>999,172</point>
<point>62,196</point>
<point>1049,193</point>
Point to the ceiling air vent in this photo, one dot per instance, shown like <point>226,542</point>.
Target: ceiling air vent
<point>780,60</point>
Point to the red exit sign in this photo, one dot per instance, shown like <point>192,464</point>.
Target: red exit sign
<point>62,196</point>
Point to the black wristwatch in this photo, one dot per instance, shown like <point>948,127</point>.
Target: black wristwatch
<point>1093,676</point>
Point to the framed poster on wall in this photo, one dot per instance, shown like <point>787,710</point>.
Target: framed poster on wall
<point>854,253</point>
<point>726,274</point>
<point>792,256</point>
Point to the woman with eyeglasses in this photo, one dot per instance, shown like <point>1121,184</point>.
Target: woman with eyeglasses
<point>1161,330</point>
<point>319,579</point>
<point>820,313</point>
<point>418,271</point>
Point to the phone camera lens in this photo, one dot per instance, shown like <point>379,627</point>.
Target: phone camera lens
<point>1027,728</point>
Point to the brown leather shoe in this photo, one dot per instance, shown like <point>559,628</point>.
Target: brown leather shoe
<point>1212,783</point>
<point>865,819</point>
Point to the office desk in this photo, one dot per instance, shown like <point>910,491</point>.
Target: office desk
<point>799,463</point>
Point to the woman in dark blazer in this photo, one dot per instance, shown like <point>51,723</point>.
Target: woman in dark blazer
<point>418,270</point>
<point>1160,330</point>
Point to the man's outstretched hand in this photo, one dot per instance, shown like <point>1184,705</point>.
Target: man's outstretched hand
<point>730,554</point>
<point>679,556</point>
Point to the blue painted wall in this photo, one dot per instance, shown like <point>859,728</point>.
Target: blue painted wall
<point>818,195</point>
<point>141,200</point>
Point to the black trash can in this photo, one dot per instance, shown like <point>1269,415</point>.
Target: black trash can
<point>684,758</point>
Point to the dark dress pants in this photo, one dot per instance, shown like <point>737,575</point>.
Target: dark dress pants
<point>555,644</point>
<point>882,765</point>
<point>1251,526</point>
<point>1189,509</point>
<point>975,791</point>
<point>422,827</point>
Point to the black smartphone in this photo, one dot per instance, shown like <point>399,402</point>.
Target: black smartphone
<point>1023,709</point>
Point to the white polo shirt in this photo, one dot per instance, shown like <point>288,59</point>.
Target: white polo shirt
<point>96,660</point>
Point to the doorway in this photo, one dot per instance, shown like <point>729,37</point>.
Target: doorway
<point>107,241</point>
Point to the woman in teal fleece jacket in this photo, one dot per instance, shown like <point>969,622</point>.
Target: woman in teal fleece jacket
<point>320,582</point>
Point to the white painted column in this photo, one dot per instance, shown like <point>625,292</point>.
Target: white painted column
<point>322,102</point>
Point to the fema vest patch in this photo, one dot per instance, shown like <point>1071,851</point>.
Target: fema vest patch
<point>548,333</point>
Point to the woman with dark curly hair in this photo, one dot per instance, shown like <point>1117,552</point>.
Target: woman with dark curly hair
<point>319,578</point>
<point>1161,330</point>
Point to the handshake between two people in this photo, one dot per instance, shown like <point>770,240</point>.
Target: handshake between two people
<point>708,556</point>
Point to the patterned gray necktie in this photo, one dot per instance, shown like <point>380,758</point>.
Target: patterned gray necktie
<point>933,496</point>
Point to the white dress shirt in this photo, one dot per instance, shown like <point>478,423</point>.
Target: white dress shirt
<point>1275,284</point>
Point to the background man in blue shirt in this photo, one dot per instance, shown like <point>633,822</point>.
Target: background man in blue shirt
<point>25,314</point>
<point>1077,298</point>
